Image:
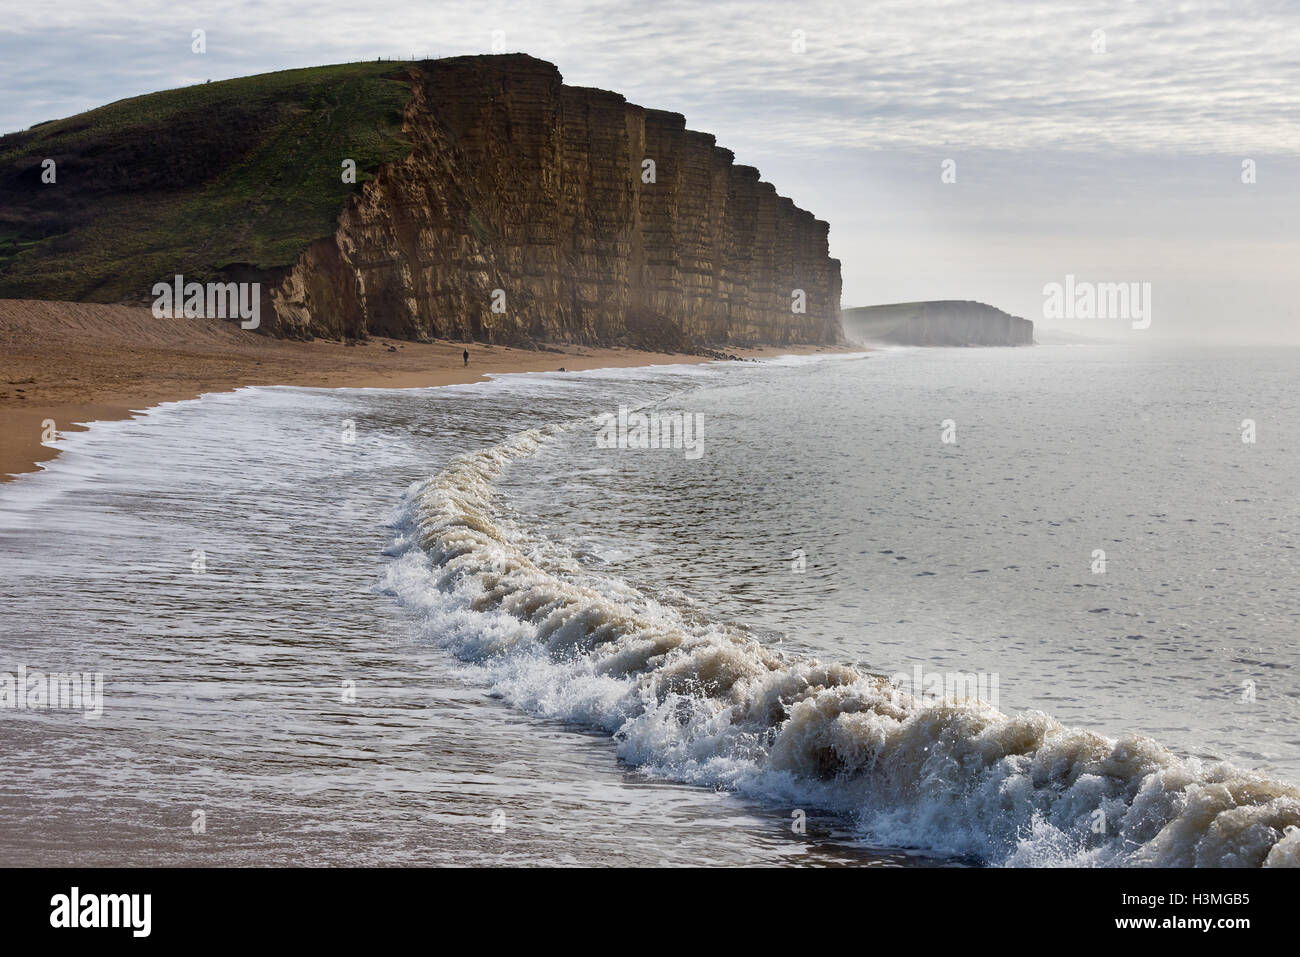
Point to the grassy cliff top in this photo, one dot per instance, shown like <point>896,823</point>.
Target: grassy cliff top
<point>244,171</point>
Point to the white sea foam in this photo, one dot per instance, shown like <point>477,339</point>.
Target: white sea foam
<point>708,704</point>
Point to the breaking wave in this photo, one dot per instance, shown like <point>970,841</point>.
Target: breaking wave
<point>698,702</point>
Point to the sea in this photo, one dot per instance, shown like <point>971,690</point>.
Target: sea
<point>903,607</point>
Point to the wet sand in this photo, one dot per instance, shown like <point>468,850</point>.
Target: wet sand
<point>72,363</point>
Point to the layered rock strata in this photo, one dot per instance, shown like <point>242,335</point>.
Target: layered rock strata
<point>530,210</point>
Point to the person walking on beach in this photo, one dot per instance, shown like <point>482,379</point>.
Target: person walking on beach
<point>466,357</point>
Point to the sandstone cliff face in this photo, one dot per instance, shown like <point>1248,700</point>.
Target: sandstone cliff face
<point>938,323</point>
<point>529,195</point>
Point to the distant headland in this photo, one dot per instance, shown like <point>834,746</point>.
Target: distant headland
<point>944,322</point>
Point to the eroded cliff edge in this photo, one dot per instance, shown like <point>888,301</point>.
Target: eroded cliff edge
<point>531,195</point>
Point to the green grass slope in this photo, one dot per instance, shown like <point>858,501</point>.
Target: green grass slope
<point>244,171</point>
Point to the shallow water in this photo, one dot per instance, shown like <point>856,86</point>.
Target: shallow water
<point>226,688</point>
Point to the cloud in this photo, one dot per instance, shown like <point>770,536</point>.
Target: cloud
<point>893,75</point>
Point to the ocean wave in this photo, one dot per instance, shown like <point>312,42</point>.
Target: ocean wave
<point>703,703</point>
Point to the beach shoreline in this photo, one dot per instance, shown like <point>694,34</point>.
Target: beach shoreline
<point>74,363</point>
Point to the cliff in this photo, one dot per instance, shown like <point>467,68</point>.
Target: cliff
<point>505,206</point>
<point>939,323</point>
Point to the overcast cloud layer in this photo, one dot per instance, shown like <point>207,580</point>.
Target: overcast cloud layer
<point>1122,165</point>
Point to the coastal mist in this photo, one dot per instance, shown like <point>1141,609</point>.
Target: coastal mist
<point>910,607</point>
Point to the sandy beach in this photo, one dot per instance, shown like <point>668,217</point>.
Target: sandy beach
<point>74,363</point>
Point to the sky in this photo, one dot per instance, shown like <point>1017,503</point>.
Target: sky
<point>1103,141</point>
